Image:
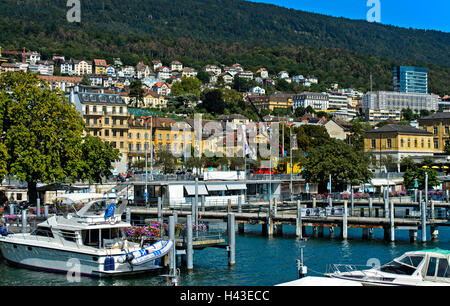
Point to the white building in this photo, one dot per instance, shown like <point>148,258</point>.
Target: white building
<point>258,90</point>
<point>318,101</point>
<point>390,100</point>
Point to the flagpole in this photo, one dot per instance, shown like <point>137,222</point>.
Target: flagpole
<point>146,167</point>
<point>292,168</point>
<point>151,147</point>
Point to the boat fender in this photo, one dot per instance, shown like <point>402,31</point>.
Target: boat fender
<point>4,232</point>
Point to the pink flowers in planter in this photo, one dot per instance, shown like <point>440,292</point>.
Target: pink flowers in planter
<point>142,231</point>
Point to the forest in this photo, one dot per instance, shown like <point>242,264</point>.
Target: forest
<point>199,32</point>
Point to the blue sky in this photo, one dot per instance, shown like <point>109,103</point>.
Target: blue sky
<point>418,14</point>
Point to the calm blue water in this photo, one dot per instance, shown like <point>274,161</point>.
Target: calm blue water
<point>260,261</point>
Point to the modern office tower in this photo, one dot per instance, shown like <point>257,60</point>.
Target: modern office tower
<point>409,79</point>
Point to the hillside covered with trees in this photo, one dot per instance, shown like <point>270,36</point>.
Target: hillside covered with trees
<point>197,32</point>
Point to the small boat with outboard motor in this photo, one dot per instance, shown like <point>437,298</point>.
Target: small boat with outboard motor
<point>90,241</point>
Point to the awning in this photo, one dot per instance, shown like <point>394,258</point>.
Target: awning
<point>237,187</point>
<point>216,187</point>
<point>190,189</point>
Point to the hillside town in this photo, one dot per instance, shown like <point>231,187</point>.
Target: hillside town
<point>102,93</point>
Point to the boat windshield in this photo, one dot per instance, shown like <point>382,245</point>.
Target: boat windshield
<point>404,266</point>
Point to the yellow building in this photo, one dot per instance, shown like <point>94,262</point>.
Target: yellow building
<point>106,116</point>
<point>399,141</point>
<point>272,102</point>
<point>100,66</point>
<point>439,125</point>
<point>167,135</point>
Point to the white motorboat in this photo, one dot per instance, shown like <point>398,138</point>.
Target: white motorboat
<point>83,242</point>
<point>417,268</point>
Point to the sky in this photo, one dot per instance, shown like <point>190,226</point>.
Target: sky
<point>417,14</point>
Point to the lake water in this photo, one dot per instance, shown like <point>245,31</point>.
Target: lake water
<point>260,261</point>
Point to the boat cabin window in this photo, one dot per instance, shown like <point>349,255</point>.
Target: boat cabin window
<point>443,269</point>
<point>108,236</point>
<point>43,231</point>
<point>413,261</point>
<point>68,235</point>
<point>398,268</point>
<point>431,270</point>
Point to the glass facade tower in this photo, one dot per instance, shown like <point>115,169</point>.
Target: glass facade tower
<point>409,79</point>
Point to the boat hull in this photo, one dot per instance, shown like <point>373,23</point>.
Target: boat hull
<point>69,262</point>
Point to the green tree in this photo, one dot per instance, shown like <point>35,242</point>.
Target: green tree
<point>418,173</point>
<point>203,76</point>
<point>166,161</point>
<point>41,131</point>
<point>213,102</point>
<point>136,93</point>
<point>98,158</point>
<point>339,159</point>
<point>187,86</point>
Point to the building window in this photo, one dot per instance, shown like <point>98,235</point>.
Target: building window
<point>106,133</point>
<point>402,142</point>
<point>389,143</point>
<point>435,130</point>
<point>415,143</point>
<point>138,135</point>
<point>436,144</point>
<point>168,137</point>
<point>374,143</point>
<point>130,135</point>
<point>106,120</point>
<point>409,143</point>
<point>423,143</point>
<point>429,143</point>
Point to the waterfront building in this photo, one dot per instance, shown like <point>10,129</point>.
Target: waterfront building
<point>106,116</point>
<point>409,79</point>
<point>318,101</point>
<point>439,125</point>
<point>399,141</point>
<point>392,101</point>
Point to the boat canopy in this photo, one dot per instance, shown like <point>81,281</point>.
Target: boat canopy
<point>79,197</point>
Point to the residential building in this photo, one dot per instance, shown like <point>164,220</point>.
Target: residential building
<point>212,68</point>
<point>227,77</point>
<point>153,100</point>
<point>338,129</point>
<point>5,67</point>
<point>439,125</point>
<point>142,71</point>
<point>258,90</point>
<point>62,83</point>
<point>176,66</point>
<point>82,67</point>
<point>399,141</point>
<point>162,88</point>
<point>42,67</point>
<point>106,116</point>
<point>318,101</point>
<point>246,75</point>
<point>156,64</point>
<point>276,100</point>
<point>390,100</point>
<point>375,116</point>
<point>189,72</point>
<point>410,79</point>
<point>163,73</point>
<point>67,67</point>
<point>283,75</point>
<point>32,57</point>
<point>263,73</point>
<point>337,100</point>
<point>110,71</point>
<point>100,66</point>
